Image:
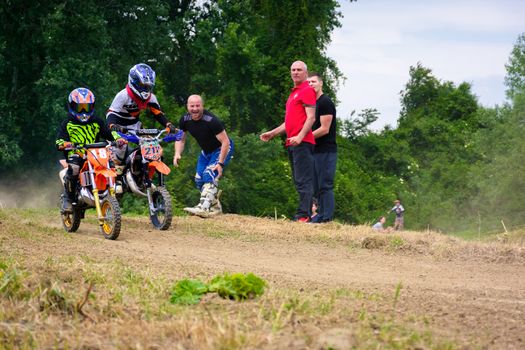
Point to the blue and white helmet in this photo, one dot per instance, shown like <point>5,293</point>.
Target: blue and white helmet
<point>141,80</point>
<point>81,104</point>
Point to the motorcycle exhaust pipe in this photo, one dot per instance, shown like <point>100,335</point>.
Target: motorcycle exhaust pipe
<point>133,185</point>
<point>86,197</point>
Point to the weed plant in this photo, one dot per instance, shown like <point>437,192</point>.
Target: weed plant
<point>235,286</point>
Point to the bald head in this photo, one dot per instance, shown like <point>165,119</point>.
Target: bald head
<point>299,72</point>
<point>195,107</point>
<point>195,98</point>
<point>300,63</point>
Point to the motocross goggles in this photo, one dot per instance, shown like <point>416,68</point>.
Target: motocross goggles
<point>83,108</point>
<point>144,87</point>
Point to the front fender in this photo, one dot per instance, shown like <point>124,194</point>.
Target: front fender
<point>101,178</point>
<point>159,166</point>
<point>106,172</point>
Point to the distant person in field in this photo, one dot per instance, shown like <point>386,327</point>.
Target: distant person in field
<point>300,141</point>
<point>217,150</point>
<point>379,226</point>
<point>315,215</point>
<point>398,209</point>
<point>325,150</point>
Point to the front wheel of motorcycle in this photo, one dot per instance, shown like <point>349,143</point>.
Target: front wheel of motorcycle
<point>111,218</point>
<point>161,213</point>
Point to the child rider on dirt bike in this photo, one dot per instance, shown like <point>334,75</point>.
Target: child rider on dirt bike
<point>127,105</point>
<point>80,127</point>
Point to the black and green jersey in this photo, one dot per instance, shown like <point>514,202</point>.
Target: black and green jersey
<point>72,130</point>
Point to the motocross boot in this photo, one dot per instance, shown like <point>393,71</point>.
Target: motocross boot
<point>70,190</point>
<point>207,201</point>
<point>216,207</point>
<point>119,184</point>
<point>67,207</point>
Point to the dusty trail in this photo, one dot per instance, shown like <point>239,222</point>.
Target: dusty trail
<point>464,299</point>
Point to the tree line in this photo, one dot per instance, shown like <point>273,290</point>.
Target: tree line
<point>455,164</point>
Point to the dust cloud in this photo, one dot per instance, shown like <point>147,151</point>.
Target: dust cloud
<point>37,190</point>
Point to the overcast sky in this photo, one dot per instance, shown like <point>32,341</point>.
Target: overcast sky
<point>458,40</point>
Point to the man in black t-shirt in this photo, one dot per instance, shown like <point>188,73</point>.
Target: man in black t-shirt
<point>217,150</point>
<point>325,151</point>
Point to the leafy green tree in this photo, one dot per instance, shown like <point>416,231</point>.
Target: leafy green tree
<point>241,51</point>
<point>499,172</point>
<point>438,120</point>
<point>21,61</point>
<point>353,128</point>
<point>515,78</point>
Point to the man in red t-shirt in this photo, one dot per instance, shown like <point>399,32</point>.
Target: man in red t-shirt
<point>298,121</point>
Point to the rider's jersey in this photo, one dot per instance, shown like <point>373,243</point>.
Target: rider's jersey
<point>125,111</point>
<point>71,130</point>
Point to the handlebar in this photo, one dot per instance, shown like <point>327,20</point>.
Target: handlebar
<point>90,145</point>
<point>135,135</point>
<point>146,132</point>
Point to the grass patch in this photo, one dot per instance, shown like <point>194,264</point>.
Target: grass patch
<point>77,293</point>
<point>11,280</point>
<point>62,293</point>
<point>396,242</point>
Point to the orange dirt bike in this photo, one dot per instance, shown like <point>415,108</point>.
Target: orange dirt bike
<point>96,189</point>
<point>143,165</point>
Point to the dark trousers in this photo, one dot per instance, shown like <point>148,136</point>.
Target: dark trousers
<point>325,164</point>
<point>302,162</point>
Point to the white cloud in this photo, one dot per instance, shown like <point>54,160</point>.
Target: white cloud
<point>459,40</point>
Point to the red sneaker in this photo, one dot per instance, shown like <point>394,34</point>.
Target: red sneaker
<point>303,219</point>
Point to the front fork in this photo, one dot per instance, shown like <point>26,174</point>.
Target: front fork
<point>152,208</point>
<point>149,182</point>
<point>101,219</point>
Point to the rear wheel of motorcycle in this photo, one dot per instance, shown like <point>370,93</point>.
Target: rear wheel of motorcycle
<point>162,215</point>
<point>70,220</point>
<point>112,218</point>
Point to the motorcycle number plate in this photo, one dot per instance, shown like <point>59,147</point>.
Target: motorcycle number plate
<point>151,150</point>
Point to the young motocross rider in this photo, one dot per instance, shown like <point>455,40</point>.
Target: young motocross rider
<point>80,127</point>
<point>127,105</point>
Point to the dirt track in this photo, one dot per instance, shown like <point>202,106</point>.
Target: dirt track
<point>468,300</point>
